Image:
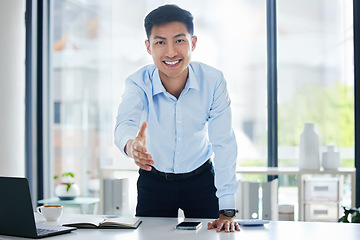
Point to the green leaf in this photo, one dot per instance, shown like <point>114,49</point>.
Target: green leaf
<point>343,219</point>
<point>68,186</point>
<point>66,174</point>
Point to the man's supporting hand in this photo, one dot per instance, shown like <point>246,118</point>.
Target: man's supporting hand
<point>225,223</point>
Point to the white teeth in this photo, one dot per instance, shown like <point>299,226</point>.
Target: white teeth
<point>171,63</point>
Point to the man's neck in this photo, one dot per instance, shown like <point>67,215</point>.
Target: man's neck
<point>174,85</point>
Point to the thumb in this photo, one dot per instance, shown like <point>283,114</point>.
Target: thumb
<point>141,135</point>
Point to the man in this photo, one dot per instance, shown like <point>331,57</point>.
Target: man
<point>183,110</point>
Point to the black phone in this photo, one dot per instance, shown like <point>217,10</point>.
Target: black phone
<point>189,225</point>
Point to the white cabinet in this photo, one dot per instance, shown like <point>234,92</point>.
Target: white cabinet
<point>322,189</point>
<point>300,176</point>
<point>322,198</point>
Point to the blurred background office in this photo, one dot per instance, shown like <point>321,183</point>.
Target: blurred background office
<point>82,51</point>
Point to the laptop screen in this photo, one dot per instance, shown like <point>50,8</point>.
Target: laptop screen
<point>16,211</point>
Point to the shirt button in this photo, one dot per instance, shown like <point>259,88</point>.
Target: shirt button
<point>179,139</point>
<point>177,152</point>
<point>179,121</point>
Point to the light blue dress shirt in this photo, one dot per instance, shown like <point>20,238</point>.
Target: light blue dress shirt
<point>183,133</point>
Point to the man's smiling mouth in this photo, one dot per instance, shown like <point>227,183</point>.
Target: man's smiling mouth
<point>171,63</point>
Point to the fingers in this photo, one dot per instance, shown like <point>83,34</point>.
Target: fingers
<point>143,163</point>
<point>211,224</point>
<point>220,227</point>
<point>138,146</point>
<point>228,226</point>
<point>237,227</point>
<point>231,226</point>
<point>143,166</point>
<point>142,159</point>
<point>143,155</point>
<point>216,224</point>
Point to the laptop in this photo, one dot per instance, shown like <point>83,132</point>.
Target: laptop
<point>16,211</point>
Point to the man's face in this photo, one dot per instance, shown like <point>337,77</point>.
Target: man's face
<point>170,46</point>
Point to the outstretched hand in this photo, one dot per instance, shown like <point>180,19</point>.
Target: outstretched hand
<point>136,149</point>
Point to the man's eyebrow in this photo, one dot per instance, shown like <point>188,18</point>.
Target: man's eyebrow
<point>176,36</point>
<point>180,35</point>
<point>159,37</point>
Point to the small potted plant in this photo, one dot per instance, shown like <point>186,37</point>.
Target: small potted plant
<point>67,189</point>
<point>355,213</point>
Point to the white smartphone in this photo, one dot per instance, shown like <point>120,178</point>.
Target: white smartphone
<point>189,225</point>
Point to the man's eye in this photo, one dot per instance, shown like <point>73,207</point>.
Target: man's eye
<point>180,41</point>
<point>159,42</point>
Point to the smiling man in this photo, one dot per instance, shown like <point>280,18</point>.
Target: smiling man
<point>175,122</point>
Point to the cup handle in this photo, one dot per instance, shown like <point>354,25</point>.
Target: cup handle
<point>38,209</point>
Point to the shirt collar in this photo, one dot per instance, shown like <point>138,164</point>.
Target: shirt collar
<point>190,83</point>
<point>157,85</point>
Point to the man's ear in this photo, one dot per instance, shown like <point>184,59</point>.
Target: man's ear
<point>147,44</point>
<point>193,43</point>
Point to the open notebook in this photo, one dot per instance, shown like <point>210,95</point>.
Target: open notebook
<point>103,222</point>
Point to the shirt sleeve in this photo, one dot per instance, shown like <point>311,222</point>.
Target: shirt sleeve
<point>222,138</point>
<point>130,114</point>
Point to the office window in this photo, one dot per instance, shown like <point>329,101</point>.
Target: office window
<point>315,81</point>
<point>80,90</point>
<point>315,76</point>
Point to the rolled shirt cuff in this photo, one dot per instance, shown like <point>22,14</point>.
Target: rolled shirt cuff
<point>227,202</point>
<point>121,144</point>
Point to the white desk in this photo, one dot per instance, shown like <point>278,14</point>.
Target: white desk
<point>299,175</point>
<point>163,229</point>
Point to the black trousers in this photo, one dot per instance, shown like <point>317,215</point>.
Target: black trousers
<point>159,197</point>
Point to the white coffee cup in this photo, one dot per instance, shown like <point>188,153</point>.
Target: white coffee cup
<point>50,212</point>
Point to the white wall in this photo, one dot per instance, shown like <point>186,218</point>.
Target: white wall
<point>12,88</point>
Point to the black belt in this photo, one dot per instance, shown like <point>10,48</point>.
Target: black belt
<point>179,176</point>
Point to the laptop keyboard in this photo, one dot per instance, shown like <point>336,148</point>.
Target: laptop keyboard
<point>42,231</point>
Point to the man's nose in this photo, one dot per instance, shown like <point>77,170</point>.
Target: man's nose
<point>171,50</point>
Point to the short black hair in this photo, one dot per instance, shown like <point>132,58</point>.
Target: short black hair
<point>166,14</point>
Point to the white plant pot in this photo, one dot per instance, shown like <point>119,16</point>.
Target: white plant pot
<point>331,158</point>
<point>63,194</point>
